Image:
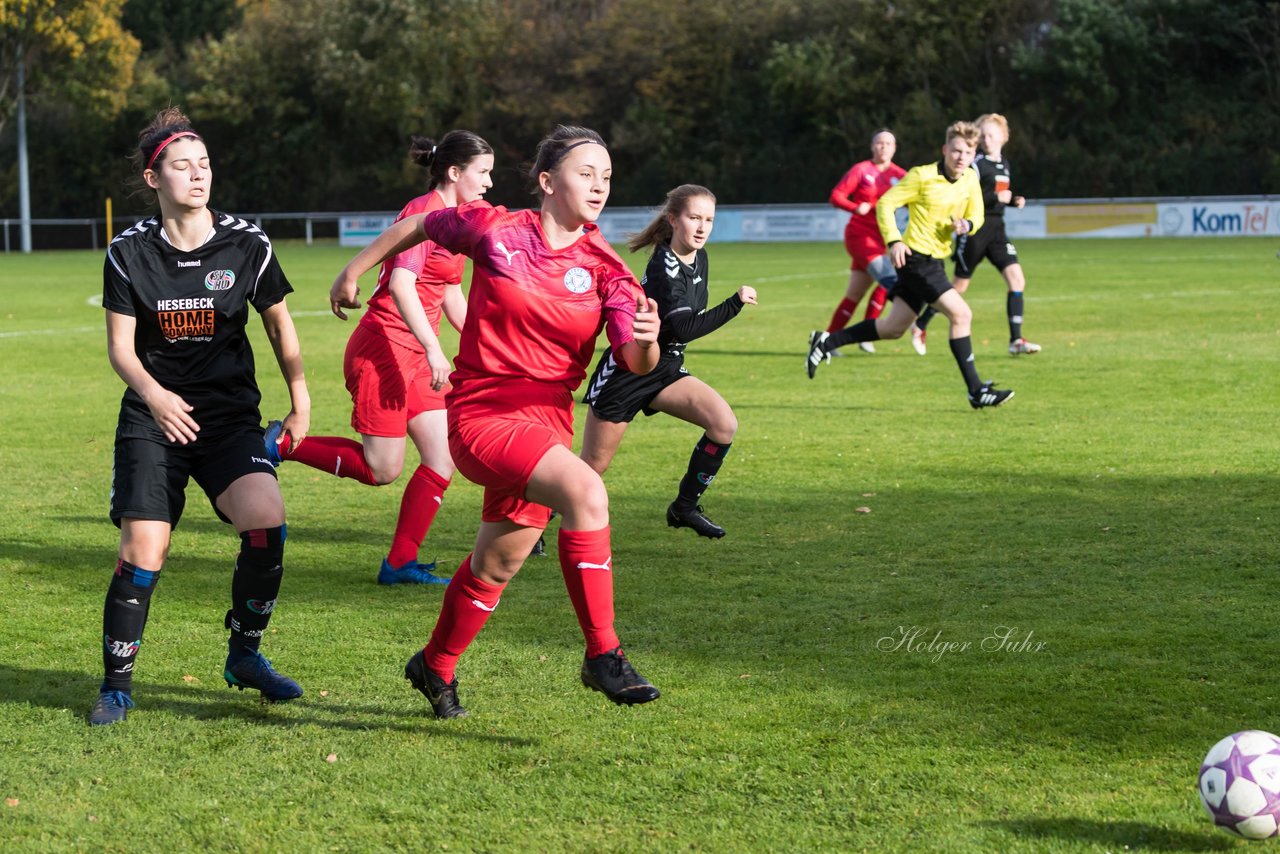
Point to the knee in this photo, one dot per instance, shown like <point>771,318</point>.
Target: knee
<point>723,427</point>
<point>599,462</point>
<point>384,473</point>
<point>588,503</point>
<point>962,316</point>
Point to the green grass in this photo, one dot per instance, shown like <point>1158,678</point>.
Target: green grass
<point>1121,512</point>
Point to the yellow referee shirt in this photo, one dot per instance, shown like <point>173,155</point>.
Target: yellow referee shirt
<point>932,199</point>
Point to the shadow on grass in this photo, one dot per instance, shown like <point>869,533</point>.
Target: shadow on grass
<point>1115,835</point>
<point>75,691</point>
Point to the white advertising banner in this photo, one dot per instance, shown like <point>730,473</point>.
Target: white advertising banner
<point>1219,219</point>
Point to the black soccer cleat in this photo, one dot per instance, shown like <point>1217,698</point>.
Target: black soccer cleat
<point>251,669</point>
<point>112,707</point>
<point>612,675</point>
<point>442,695</point>
<point>988,395</point>
<point>817,354</point>
<point>695,519</point>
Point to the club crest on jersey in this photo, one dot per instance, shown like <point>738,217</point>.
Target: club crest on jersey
<point>577,280</point>
<point>220,280</point>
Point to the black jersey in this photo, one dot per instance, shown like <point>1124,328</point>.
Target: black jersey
<point>680,290</point>
<point>191,309</point>
<point>991,172</point>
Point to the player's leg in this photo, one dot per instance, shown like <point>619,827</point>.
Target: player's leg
<point>251,501</point>
<point>565,482</point>
<point>1014,307</point>
<point>859,282</point>
<point>472,596</point>
<point>144,545</point>
<point>890,326</point>
<point>692,400</point>
<point>422,499</point>
<point>956,310</point>
<point>600,441</point>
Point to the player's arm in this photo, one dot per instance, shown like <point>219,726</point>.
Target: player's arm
<point>975,209</point>
<point>455,306</point>
<point>688,326</point>
<point>640,354</point>
<point>402,235</point>
<point>283,336</point>
<point>902,193</point>
<point>841,192</point>
<point>172,414</point>
<point>404,292</point>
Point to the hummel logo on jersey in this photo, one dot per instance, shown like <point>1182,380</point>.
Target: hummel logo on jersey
<point>503,250</point>
<point>484,607</point>
<point>697,279</point>
<point>195,263</point>
<point>583,564</point>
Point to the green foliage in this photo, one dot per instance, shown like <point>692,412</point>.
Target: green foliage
<point>310,104</point>
<point>1122,509</point>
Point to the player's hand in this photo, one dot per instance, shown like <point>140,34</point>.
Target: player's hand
<point>1019,201</point>
<point>345,293</point>
<point>862,209</point>
<point>747,294</point>
<point>172,415</point>
<point>960,225</point>
<point>440,367</point>
<point>297,425</point>
<point>898,253</point>
<point>644,329</point>
<point>1004,197</point>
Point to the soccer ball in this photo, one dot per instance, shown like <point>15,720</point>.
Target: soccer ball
<point>1240,784</point>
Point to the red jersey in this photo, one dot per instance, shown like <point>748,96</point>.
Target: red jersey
<point>533,313</point>
<point>864,183</point>
<point>435,267</point>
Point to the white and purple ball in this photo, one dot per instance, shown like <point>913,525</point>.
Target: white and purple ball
<point>1240,784</point>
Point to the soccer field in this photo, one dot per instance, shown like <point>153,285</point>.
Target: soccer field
<point>928,629</point>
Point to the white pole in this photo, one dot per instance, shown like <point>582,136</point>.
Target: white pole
<point>24,187</point>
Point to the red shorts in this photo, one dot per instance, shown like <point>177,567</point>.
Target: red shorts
<point>390,385</point>
<point>500,452</point>
<point>863,248</point>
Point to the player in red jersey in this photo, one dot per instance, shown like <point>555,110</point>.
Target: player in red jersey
<point>396,371</point>
<point>545,284</point>
<point>858,191</point>
<point>177,289</point>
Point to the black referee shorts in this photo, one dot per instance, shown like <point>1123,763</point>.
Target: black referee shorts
<point>990,242</point>
<point>921,281</point>
<point>149,480</point>
<point>615,394</point>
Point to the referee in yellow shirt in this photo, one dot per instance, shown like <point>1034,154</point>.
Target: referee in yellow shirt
<point>943,199</point>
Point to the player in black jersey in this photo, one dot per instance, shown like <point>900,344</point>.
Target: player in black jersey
<point>992,242</point>
<point>177,289</point>
<point>676,278</point>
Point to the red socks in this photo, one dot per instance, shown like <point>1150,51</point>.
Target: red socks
<point>844,313</point>
<point>339,457</point>
<point>586,560</point>
<point>423,496</point>
<point>875,305</point>
<point>468,602</point>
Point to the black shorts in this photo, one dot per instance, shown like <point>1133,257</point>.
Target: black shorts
<point>921,281</point>
<point>149,480</point>
<point>615,394</point>
<point>990,242</point>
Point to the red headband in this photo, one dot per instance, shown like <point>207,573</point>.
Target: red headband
<point>159,148</point>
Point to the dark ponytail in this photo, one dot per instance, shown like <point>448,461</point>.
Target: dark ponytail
<point>457,148</point>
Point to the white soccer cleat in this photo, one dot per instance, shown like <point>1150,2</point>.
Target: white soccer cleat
<point>867,347</point>
<point>917,339</point>
<point>1021,346</point>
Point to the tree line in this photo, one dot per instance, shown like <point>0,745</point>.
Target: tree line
<point>309,104</point>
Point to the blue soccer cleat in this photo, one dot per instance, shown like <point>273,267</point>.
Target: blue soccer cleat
<point>410,573</point>
<point>112,707</point>
<point>251,669</point>
<point>271,438</point>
